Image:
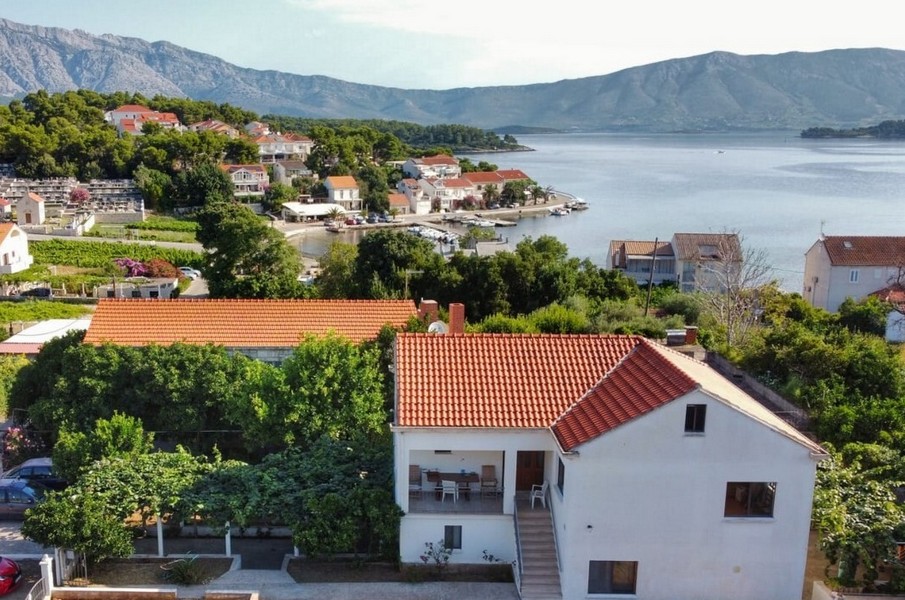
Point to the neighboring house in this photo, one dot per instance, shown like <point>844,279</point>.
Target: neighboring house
<point>481,179</point>
<point>639,260</point>
<point>257,129</point>
<point>838,267</point>
<point>130,118</point>
<point>307,211</point>
<point>6,209</point>
<point>512,175</point>
<point>399,203</point>
<point>14,256</point>
<point>705,261</point>
<point>895,320</point>
<point>215,126</point>
<point>30,209</point>
<point>419,203</point>
<point>446,194</point>
<point>248,180</point>
<point>29,341</point>
<point>267,330</point>
<point>287,171</point>
<point>343,190</point>
<point>439,166</point>
<point>274,147</point>
<point>662,479</point>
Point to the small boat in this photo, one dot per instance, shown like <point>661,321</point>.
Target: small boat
<point>578,204</point>
<point>559,211</point>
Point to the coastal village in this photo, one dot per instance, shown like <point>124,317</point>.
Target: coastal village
<point>582,464</point>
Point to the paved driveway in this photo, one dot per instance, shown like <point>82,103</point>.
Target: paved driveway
<point>13,545</point>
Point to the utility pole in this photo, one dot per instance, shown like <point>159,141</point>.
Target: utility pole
<point>650,280</point>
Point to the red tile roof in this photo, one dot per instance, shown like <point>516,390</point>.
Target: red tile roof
<point>341,182</point>
<point>894,294</point>
<point>861,251</point>
<point>5,228</point>
<point>512,174</point>
<point>240,323</point>
<point>700,246</point>
<point>501,380</point>
<point>440,159</point>
<point>138,108</point>
<point>638,384</point>
<point>398,200</point>
<point>484,177</point>
<point>34,197</point>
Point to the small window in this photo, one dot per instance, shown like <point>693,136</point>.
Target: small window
<point>694,418</point>
<point>749,499</point>
<point>452,537</point>
<point>561,477</point>
<point>853,276</point>
<point>612,576</point>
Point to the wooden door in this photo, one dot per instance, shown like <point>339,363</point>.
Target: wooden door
<point>529,469</point>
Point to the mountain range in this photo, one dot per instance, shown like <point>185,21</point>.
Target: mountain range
<point>718,91</point>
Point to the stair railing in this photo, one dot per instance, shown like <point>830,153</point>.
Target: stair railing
<point>517,563</point>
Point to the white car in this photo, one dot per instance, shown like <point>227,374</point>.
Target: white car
<point>190,272</point>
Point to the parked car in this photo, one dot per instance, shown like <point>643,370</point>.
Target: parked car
<point>190,272</point>
<point>38,470</point>
<point>38,292</point>
<point>17,496</point>
<point>10,575</point>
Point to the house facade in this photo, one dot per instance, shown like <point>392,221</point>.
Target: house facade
<point>30,210</point>
<point>706,261</point>
<point>278,325</point>
<point>274,147</point>
<point>343,190</point>
<point>643,261</point>
<point>130,118</point>
<point>840,267</point>
<point>651,475</point>
<point>215,126</point>
<point>14,256</point>
<point>439,166</point>
<point>448,193</point>
<point>419,202</point>
<point>248,180</point>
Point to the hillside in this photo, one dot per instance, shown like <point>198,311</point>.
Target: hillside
<point>713,92</point>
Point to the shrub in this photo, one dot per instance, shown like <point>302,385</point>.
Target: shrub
<point>185,571</point>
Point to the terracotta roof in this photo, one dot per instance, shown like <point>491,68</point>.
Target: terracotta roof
<point>132,108</point>
<point>15,348</point>
<point>4,202</point>
<point>35,197</point>
<point>696,246</point>
<point>5,228</point>
<point>894,294</point>
<point>499,380</point>
<point>398,200</point>
<point>579,386</point>
<point>512,174</point>
<point>257,168</point>
<point>483,177</point>
<point>240,323</point>
<point>341,181</point>
<point>859,251</point>
<point>451,182</point>
<point>640,383</point>
<point>440,159</point>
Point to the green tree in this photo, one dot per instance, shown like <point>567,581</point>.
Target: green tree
<point>865,316</point>
<point>120,436</point>
<point>248,258</point>
<point>10,365</point>
<point>390,260</point>
<point>277,194</point>
<point>201,185</point>
<point>337,266</point>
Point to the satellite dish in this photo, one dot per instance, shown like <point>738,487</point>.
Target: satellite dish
<point>437,327</point>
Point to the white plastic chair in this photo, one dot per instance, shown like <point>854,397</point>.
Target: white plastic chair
<point>450,487</point>
<point>539,491</point>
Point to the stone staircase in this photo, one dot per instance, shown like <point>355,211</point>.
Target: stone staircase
<point>540,573</point>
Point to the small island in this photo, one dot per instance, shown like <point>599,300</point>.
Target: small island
<point>889,130</point>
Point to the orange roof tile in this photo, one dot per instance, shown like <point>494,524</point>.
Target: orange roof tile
<point>640,383</point>
<point>499,380</point>
<point>342,181</point>
<point>697,246</point>
<point>34,197</point>
<point>399,200</point>
<point>857,251</point>
<point>512,174</point>
<point>132,108</point>
<point>439,159</point>
<point>5,228</point>
<point>483,177</point>
<point>240,323</point>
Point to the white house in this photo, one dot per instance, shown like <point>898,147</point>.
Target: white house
<point>248,180</point>
<point>343,190</point>
<point>14,256</point>
<point>30,209</point>
<point>446,193</point>
<point>273,147</point>
<point>643,261</point>
<point>705,261</point>
<point>130,118</point>
<point>439,166</point>
<point>840,267</point>
<point>655,477</point>
<point>419,202</point>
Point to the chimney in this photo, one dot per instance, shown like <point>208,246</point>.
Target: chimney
<point>428,310</point>
<point>456,317</point>
<point>691,335</point>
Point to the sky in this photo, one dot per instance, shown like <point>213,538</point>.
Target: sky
<point>421,44</point>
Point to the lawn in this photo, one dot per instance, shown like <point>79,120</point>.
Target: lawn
<point>117,572</point>
<point>304,570</point>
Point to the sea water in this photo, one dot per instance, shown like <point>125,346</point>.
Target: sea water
<point>777,190</point>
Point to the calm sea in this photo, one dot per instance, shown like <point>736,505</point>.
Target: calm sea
<point>777,190</point>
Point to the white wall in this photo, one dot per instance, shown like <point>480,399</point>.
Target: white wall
<point>494,533</point>
<point>648,492</point>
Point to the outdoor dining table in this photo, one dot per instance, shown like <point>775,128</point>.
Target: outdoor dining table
<point>459,477</point>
